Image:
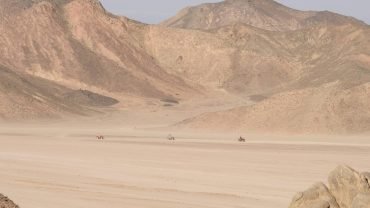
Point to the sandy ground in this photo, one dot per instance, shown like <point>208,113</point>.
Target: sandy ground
<point>65,166</point>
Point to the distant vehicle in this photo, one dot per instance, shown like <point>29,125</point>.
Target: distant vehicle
<point>170,137</point>
<point>241,139</point>
<point>100,137</point>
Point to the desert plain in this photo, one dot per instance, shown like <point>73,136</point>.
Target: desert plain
<point>62,164</point>
<point>295,84</point>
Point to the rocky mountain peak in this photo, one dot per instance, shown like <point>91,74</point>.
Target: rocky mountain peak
<point>264,14</point>
<point>16,5</point>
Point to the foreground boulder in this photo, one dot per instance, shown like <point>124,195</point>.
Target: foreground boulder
<point>346,184</point>
<point>5,202</point>
<point>318,196</point>
<point>347,189</point>
<point>361,201</point>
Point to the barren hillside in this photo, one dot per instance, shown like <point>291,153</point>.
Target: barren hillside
<point>328,94</point>
<point>290,69</point>
<point>78,44</point>
<point>299,67</point>
<point>249,60</point>
<point>264,14</point>
<point>326,109</point>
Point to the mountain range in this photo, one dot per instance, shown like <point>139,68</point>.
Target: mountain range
<point>300,71</point>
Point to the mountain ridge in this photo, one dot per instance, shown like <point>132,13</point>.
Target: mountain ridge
<point>52,40</point>
<point>328,50</point>
<point>78,51</point>
<point>266,14</point>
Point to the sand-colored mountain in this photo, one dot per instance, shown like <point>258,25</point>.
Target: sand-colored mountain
<point>306,72</point>
<point>328,94</point>
<point>303,75</point>
<point>245,56</point>
<point>78,45</point>
<point>264,14</point>
<point>238,57</point>
<point>250,60</point>
<point>53,40</point>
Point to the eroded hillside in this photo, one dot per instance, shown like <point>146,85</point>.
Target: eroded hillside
<point>303,72</point>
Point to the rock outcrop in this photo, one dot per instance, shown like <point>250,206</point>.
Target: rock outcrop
<point>361,201</point>
<point>318,196</point>
<point>347,189</point>
<point>346,184</point>
<point>5,202</point>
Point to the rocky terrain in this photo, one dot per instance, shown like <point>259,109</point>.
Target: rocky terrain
<point>326,109</point>
<point>347,189</point>
<point>298,72</point>
<point>53,42</point>
<point>264,14</point>
<point>313,79</point>
<point>5,202</point>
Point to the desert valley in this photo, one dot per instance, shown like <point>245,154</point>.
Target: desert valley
<point>294,84</point>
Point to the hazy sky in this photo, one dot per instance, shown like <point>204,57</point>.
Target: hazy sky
<point>154,11</point>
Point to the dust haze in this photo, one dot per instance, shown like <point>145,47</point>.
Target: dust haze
<point>241,103</point>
